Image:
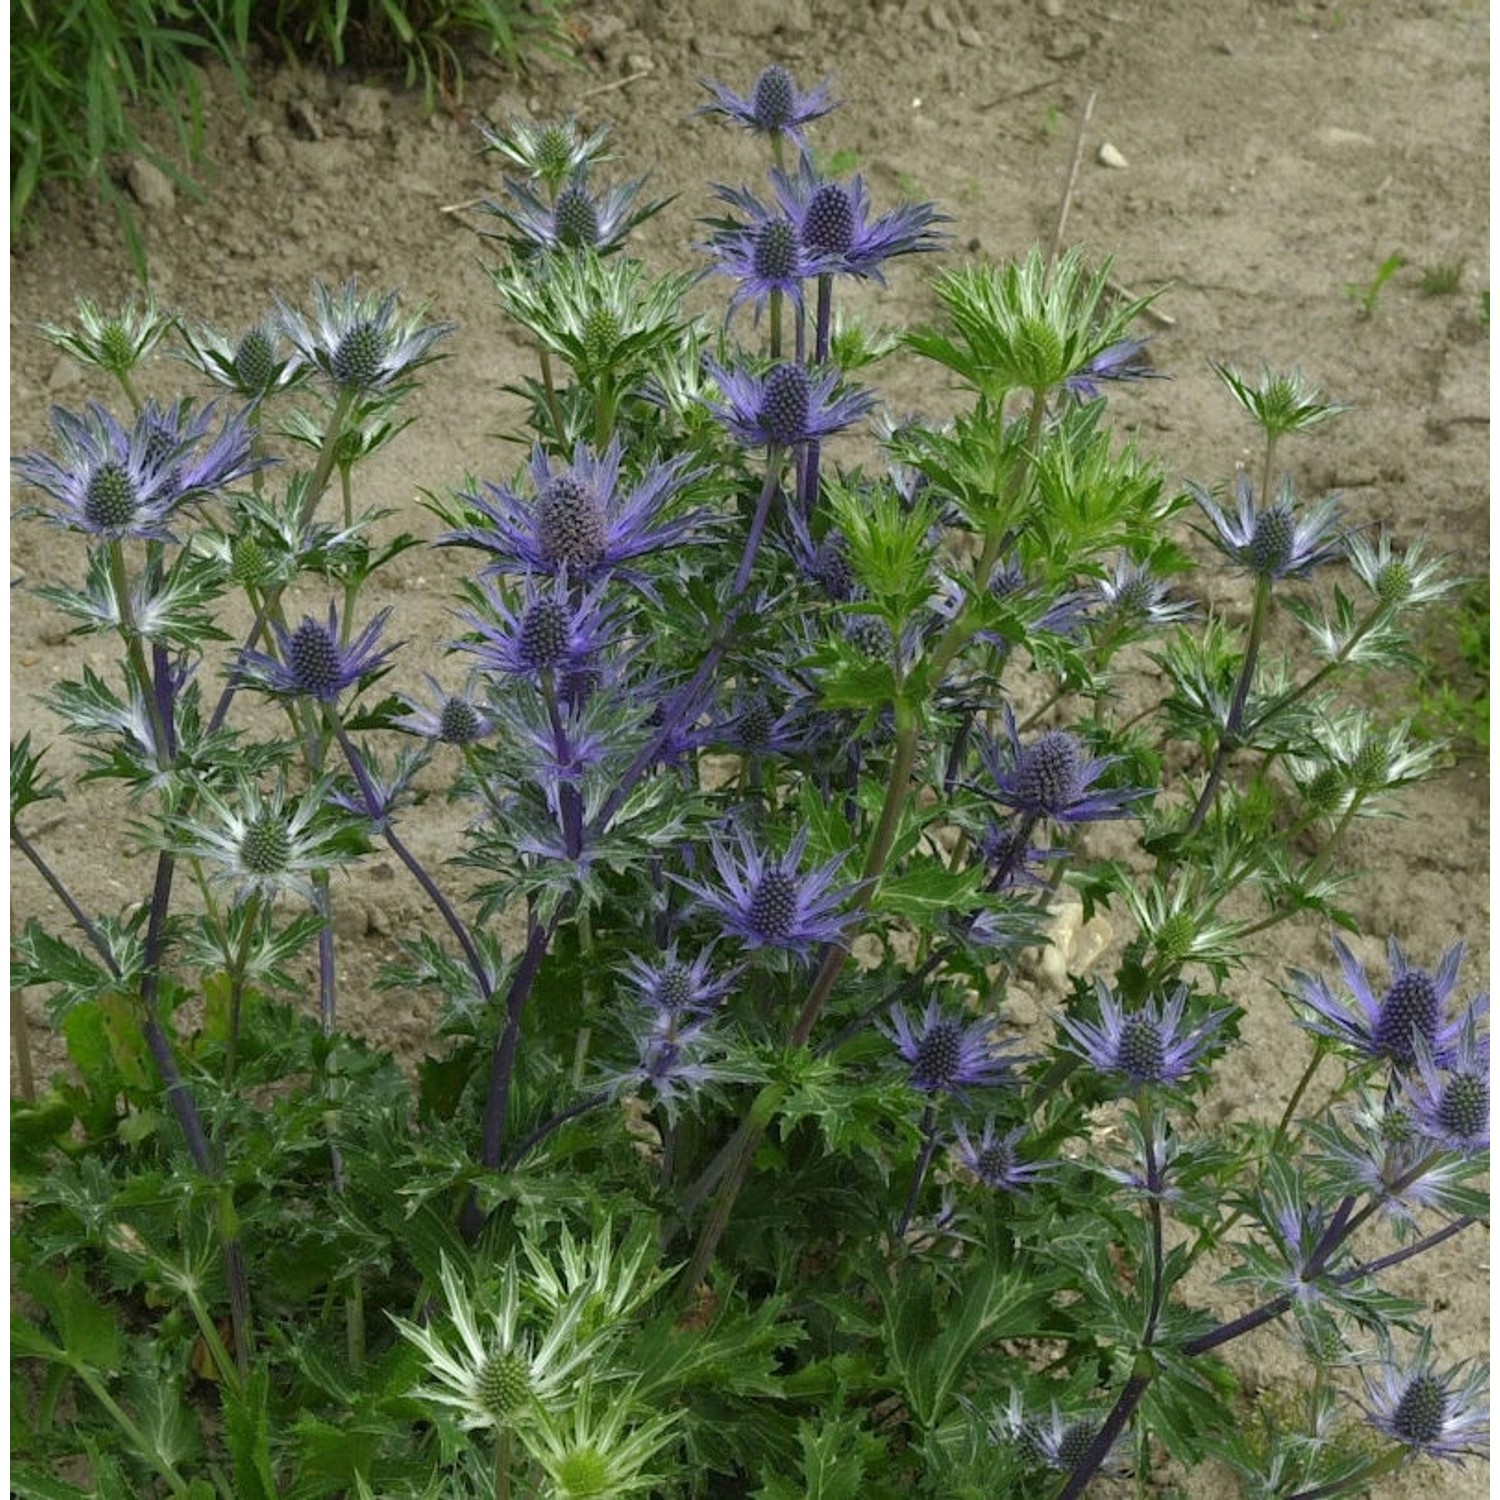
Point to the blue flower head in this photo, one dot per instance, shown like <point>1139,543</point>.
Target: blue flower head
<point>312,662</point>
<point>579,218</point>
<point>947,1056</point>
<point>1451,1105</point>
<point>1052,777</point>
<point>993,1158</point>
<point>832,222</point>
<point>1274,542</point>
<point>784,406</point>
<point>1148,1045</point>
<point>1414,1005</point>
<point>550,629</point>
<point>357,340</point>
<point>769,902</point>
<point>114,483</point>
<point>578,517</point>
<point>765,255</point>
<point>1438,1413</point>
<point>776,105</point>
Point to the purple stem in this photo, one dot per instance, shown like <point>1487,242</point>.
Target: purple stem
<point>537,1136</point>
<point>1104,1439</point>
<point>924,1161</point>
<point>758,523</point>
<point>63,894</point>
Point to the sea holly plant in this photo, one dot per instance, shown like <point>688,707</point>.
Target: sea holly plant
<point>724,1165</point>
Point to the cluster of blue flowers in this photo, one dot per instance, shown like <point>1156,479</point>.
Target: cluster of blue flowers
<point>848,658</point>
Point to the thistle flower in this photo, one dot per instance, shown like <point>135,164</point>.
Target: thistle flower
<point>254,365</point>
<point>1280,403</point>
<point>1130,595</point>
<point>552,631</point>
<point>357,341</point>
<point>115,341</point>
<point>502,1377</point>
<point>1058,1441</point>
<point>1408,579</point>
<point>1436,1413</point>
<point>776,105</point>
<point>1149,1045</point>
<point>116,484</point>
<point>1118,361</point>
<point>833,219</point>
<point>768,902</point>
<point>579,218</point>
<point>1052,777</point>
<point>993,1159</point>
<point>312,662</point>
<point>457,719</point>
<point>1373,1148</point>
<point>595,1448</point>
<point>578,519</point>
<point>551,153</point>
<point>766,255</point>
<point>263,844</point>
<point>784,406</point>
<point>1414,1004</point>
<point>1275,542</point>
<point>674,987</point>
<point>1452,1106</point>
<point>947,1056</point>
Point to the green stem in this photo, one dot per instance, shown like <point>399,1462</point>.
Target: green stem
<point>354,1310</point>
<point>775,325</point>
<point>342,406</point>
<point>119,577</point>
<point>131,394</point>
<point>1332,665</point>
<point>229,1373</point>
<point>502,1464</point>
<point>554,406</point>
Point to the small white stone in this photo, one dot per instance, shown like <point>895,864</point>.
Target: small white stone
<point>969,36</point>
<point>1111,156</point>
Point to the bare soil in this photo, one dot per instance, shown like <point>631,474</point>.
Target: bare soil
<point>1273,153</point>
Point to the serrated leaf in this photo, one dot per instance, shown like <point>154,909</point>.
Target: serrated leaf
<point>87,1327</point>
<point>247,1435</point>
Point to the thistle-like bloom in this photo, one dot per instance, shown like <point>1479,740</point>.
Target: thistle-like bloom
<point>1052,777</point>
<point>1131,596</point>
<point>601,1446</point>
<point>1280,403</point>
<point>551,631</point>
<point>765,255</point>
<point>579,218</point>
<point>502,1377</point>
<point>115,484</point>
<point>1149,1045</point>
<point>457,720</point>
<point>312,662</point>
<point>1408,579</point>
<point>1414,1004</point>
<point>1437,1413</point>
<point>254,366</point>
<point>1055,1440</point>
<point>1118,361</point>
<point>1275,542</point>
<point>993,1159</point>
<point>674,987</point>
<point>776,105</point>
<point>357,340</point>
<point>947,1056</point>
<point>1372,1148</point>
<point>768,902</point>
<point>1451,1106</point>
<point>578,519</point>
<point>117,340</point>
<point>551,153</point>
<point>784,406</point>
<point>832,219</point>
<point>263,844</point>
